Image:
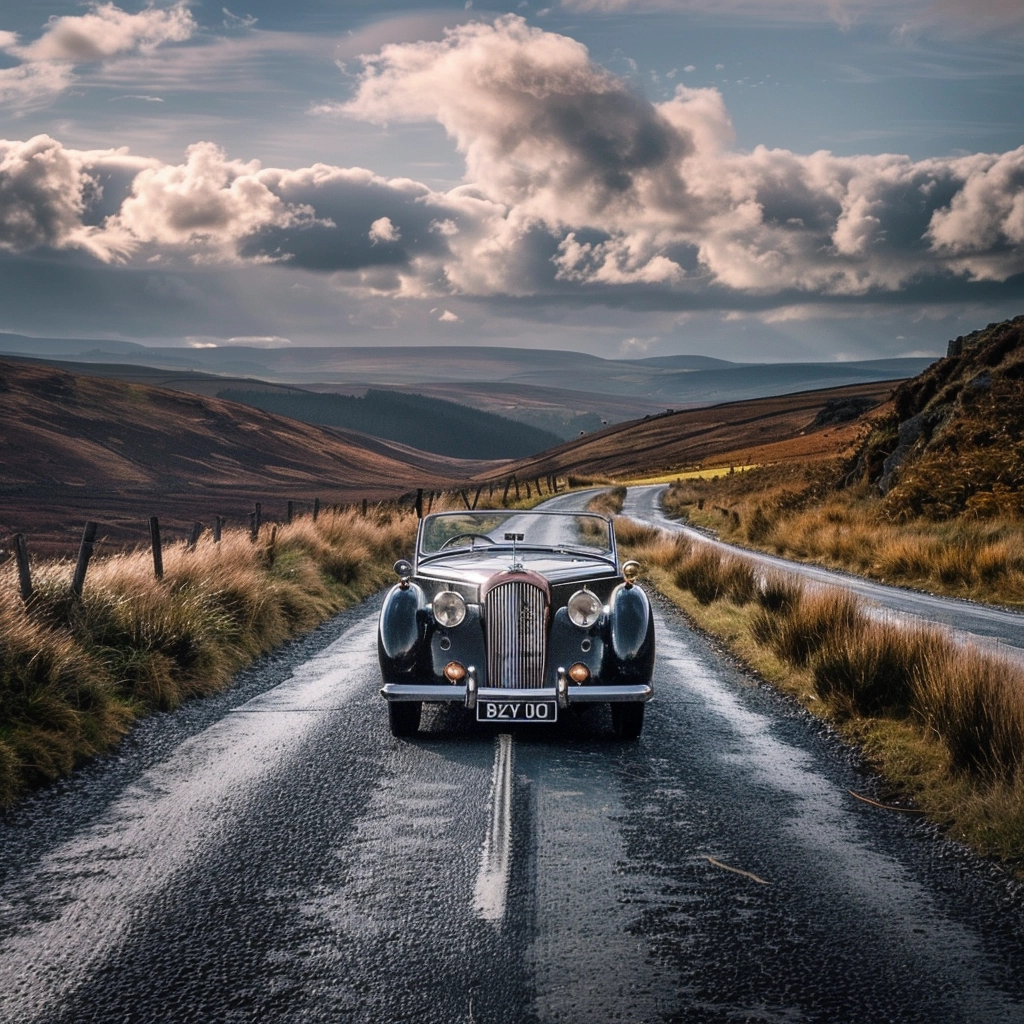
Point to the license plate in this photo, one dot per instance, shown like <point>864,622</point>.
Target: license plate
<point>516,710</point>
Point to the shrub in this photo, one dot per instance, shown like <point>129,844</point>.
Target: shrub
<point>739,580</point>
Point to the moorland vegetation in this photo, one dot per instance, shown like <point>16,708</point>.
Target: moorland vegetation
<point>75,672</point>
<point>942,723</point>
<point>931,495</point>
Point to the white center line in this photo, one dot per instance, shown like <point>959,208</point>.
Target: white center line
<point>496,858</point>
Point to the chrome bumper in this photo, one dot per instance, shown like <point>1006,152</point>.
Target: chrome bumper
<point>595,694</point>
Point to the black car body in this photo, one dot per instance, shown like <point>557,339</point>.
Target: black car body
<point>518,616</point>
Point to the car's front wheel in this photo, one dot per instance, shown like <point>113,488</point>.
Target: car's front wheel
<point>404,717</point>
<point>628,720</point>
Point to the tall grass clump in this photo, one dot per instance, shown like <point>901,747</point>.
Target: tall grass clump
<point>75,672</point>
<point>975,703</point>
<point>874,668</point>
<point>818,618</point>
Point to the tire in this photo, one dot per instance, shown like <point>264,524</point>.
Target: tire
<point>404,717</point>
<point>628,720</point>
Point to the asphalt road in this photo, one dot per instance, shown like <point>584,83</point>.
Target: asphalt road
<point>982,624</point>
<point>272,854</point>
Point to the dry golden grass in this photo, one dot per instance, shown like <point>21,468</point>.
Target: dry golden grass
<point>943,722</point>
<point>74,673</point>
<point>801,514</point>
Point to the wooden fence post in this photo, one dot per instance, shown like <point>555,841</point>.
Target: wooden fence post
<point>218,528</point>
<point>430,502</point>
<point>24,572</point>
<point>364,508</point>
<point>291,512</point>
<point>476,497</point>
<point>465,500</point>
<point>515,480</point>
<point>84,554</point>
<point>528,494</point>
<point>254,521</point>
<point>504,496</point>
<point>158,551</point>
<point>419,503</point>
<point>316,509</point>
<point>194,534</point>
<point>539,491</point>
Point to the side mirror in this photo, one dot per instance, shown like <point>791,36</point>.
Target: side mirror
<point>403,569</point>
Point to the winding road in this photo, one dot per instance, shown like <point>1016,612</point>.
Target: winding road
<point>982,624</point>
<point>272,854</point>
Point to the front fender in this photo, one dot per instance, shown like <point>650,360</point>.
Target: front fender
<point>402,630</point>
<point>630,635</point>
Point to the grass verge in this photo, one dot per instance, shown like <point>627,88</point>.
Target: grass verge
<point>942,722</point>
<point>75,673</point>
<point>802,513</point>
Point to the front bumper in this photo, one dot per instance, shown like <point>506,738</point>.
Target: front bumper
<point>565,695</point>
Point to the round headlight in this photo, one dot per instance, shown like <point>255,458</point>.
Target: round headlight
<point>584,608</point>
<point>449,608</point>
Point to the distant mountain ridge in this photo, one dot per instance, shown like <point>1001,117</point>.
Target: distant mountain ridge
<point>578,381</point>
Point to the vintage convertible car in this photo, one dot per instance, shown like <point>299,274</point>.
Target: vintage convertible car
<point>518,616</point>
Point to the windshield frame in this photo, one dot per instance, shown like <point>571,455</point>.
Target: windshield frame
<point>609,555</point>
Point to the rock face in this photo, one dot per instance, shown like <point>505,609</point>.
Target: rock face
<point>954,441</point>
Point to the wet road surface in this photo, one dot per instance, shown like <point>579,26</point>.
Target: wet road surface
<point>984,625</point>
<point>273,854</point>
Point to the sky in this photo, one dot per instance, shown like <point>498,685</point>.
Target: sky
<point>759,180</point>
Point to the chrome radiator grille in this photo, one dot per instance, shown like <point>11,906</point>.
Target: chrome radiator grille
<point>515,614</point>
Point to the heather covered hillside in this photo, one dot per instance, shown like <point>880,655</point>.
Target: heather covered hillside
<point>430,424</point>
<point>75,447</point>
<point>930,494</point>
<point>953,442</point>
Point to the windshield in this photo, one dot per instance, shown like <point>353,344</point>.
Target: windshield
<point>482,531</point>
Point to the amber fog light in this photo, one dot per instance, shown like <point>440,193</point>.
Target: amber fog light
<point>454,672</point>
<point>579,673</point>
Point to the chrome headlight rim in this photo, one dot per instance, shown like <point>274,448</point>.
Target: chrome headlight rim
<point>584,608</point>
<point>449,608</point>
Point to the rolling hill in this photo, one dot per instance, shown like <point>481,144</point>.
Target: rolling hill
<point>75,447</point>
<point>799,427</point>
<point>432,424</point>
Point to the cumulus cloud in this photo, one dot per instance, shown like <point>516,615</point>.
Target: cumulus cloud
<point>640,194</point>
<point>45,191</point>
<point>382,230</point>
<point>209,203</point>
<point>104,32</point>
<point>575,185</point>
